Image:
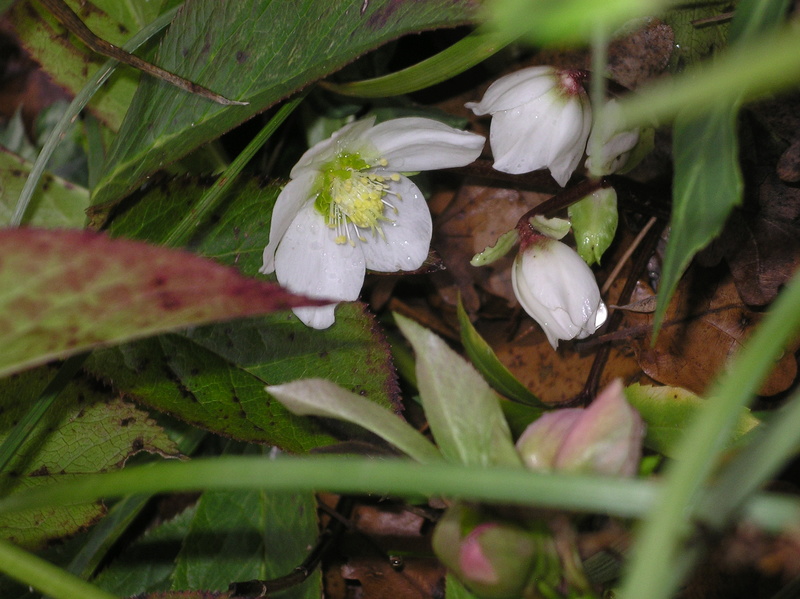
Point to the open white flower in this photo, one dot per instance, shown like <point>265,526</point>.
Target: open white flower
<point>558,290</point>
<point>541,118</point>
<point>349,208</point>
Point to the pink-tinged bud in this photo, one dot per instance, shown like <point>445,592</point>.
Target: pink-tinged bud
<point>558,290</point>
<point>539,443</point>
<point>605,438</point>
<point>541,118</point>
<point>493,559</point>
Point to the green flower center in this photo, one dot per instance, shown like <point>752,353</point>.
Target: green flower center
<point>351,199</point>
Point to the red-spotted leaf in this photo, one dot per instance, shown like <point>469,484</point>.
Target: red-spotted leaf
<point>67,291</point>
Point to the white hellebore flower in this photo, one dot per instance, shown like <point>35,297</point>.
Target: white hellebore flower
<point>348,207</point>
<point>541,118</point>
<point>557,289</point>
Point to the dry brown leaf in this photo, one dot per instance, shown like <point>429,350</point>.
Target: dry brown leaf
<point>474,219</point>
<point>705,325</point>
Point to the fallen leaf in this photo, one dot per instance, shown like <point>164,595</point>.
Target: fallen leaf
<point>705,325</point>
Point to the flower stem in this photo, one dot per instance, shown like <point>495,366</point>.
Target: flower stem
<point>564,198</point>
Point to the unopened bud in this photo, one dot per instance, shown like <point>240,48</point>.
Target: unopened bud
<point>493,559</point>
<point>605,438</point>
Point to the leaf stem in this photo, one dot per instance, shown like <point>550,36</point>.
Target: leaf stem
<point>44,576</point>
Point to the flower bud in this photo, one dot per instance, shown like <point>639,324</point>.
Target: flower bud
<point>539,443</point>
<point>493,559</point>
<point>605,438</point>
<point>541,118</point>
<point>594,222</point>
<point>557,289</point>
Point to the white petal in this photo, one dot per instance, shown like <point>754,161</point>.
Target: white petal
<point>570,139</point>
<point>345,138</point>
<point>288,204</point>
<point>520,138</point>
<point>415,144</point>
<point>310,262</point>
<point>558,290</point>
<point>408,238</point>
<point>515,89</point>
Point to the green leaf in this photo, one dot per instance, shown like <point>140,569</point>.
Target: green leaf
<point>463,412</point>
<point>318,397</point>
<point>254,51</point>
<point>668,410</point>
<point>209,367</point>
<point>82,433</point>
<point>68,291</point>
<point>707,184</point>
<point>696,41</point>
<point>214,376</point>
<point>57,203</point>
<point>244,535</point>
<point>453,60</point>
<point>147,564</point>
<point>69,62</point>
<point>135,13</point>
<point>491,368</point>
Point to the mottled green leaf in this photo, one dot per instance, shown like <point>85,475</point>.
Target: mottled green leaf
<point>57,203</point>
<point>249,50</point>
<point>707,184</point>
<point>668,411</point>
<point>237,536</point>
<point>215,376</point>
<point>68,291</point>
<point>318,397</point>
<point>82,433</point>
<point>69,62</point>
<point>463,412</point>
<point>134,13</point>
